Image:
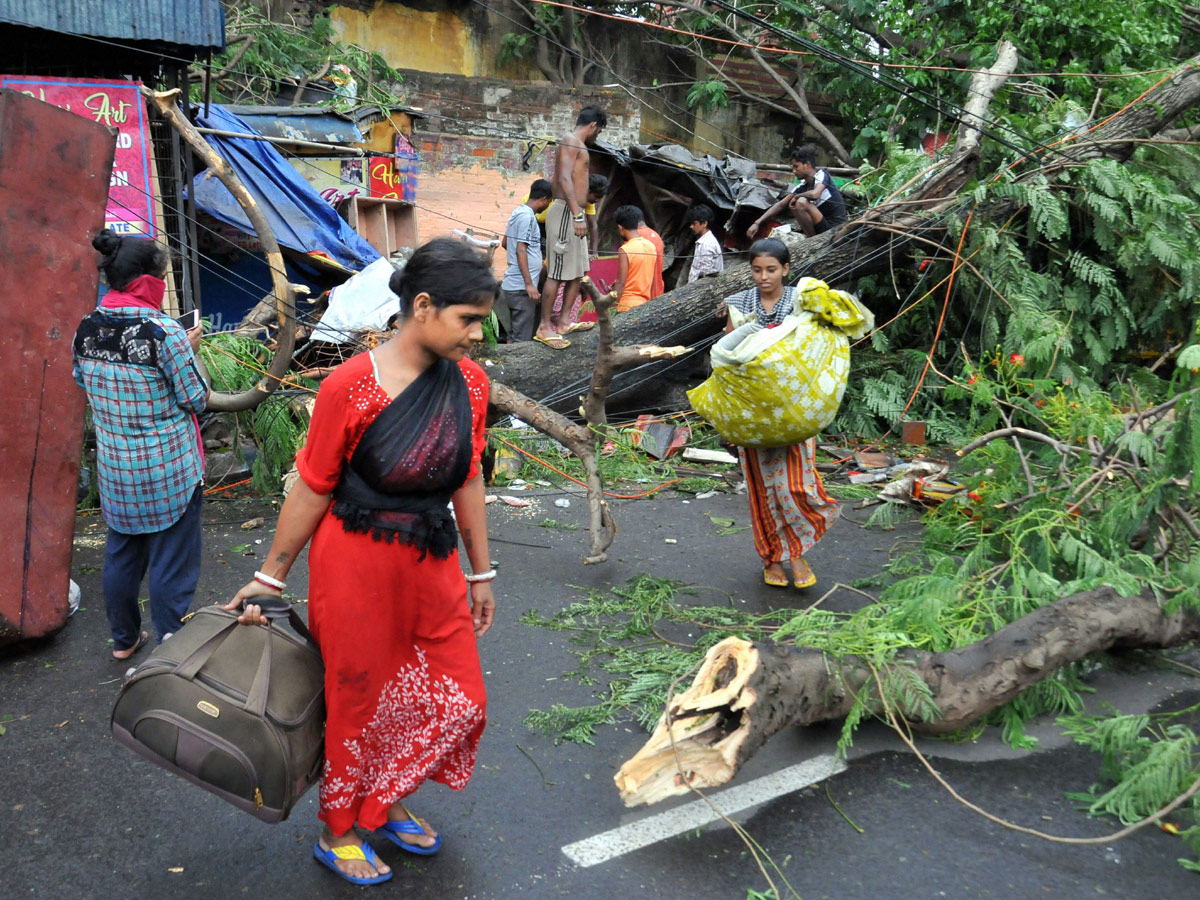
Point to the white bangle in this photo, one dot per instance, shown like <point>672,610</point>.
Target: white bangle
<point>481,577</point>
<point>269,581</point>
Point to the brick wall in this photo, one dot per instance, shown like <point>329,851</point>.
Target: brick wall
<point>454,104</point>
<point>474,135</point>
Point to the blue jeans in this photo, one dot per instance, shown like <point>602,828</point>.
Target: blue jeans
<point>173,559</point>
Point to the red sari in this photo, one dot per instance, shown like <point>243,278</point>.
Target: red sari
<point>403,688</point>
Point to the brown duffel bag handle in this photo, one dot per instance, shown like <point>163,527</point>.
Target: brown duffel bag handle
<point>256,697</point>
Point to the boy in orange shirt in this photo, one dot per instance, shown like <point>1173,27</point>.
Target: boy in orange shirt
<point>653,237</point>
<point>637,258</point>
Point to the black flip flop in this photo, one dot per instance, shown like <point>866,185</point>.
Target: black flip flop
<point>142,638</point>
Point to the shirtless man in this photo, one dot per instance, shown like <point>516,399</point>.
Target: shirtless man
<point>566,222</point>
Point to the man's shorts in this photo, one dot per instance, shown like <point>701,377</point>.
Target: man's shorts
<point>566,252</point>
<point>827,223</point>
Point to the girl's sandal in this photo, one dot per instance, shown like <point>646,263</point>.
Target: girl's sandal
<point>805,578</point>
<point>770,580</point>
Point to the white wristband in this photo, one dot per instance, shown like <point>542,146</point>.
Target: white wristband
<point>269,581</point>
<point>482,576</point>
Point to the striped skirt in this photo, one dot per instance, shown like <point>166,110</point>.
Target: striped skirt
<point>789,509</point>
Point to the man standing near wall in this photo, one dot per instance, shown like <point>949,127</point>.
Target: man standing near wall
<point>566,222</point>
<point>706,257</point>
<point>517,305</point>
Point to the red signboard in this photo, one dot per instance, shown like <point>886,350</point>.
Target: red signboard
<point>119,105</point>
<point>393,178</point>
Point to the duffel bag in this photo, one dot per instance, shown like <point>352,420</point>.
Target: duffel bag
<point>237,709</point>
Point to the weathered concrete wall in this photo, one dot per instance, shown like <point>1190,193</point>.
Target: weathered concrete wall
<point>430,40</point>
<point>515,110</point>
<point>444,36</point>
<point>426,38</point>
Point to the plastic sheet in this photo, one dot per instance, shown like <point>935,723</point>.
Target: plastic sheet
<point>300,217</point>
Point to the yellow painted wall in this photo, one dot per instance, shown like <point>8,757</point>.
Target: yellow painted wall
<point>411,38</point>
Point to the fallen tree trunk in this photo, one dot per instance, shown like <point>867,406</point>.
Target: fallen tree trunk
<point>688,315</point>
<point>745,693</point>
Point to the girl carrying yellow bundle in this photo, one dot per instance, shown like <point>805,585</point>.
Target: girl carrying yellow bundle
<point>778,379</point>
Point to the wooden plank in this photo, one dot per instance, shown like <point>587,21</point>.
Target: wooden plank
<point>54,174</point>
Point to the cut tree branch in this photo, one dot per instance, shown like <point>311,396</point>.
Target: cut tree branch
<point>945,184</point>
<point>285,302</point>
<point>745,693</point>
<point>580,441</point>
<point>609,358</point>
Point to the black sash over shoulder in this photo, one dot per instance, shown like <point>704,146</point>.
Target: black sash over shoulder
<point>408,464</point>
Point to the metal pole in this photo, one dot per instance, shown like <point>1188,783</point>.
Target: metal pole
<point>352,151</point>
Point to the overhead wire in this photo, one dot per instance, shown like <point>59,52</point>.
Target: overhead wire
<point>783,51</point>
<point>827,54</point>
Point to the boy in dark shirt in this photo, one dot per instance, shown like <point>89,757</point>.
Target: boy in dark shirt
<point>815,203</point>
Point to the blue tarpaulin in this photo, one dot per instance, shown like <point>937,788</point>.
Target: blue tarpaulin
<point>299,216</point>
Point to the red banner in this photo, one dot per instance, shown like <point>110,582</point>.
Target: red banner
<point>117,104</point>
<point>393,178</point>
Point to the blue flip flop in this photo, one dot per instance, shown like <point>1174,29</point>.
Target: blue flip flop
<point>363,851</point>
<point>393,830</point>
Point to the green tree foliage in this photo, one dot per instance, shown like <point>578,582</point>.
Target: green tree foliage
<point>1068,49</point>
<point>1064,298</point>
<point>264,57</point>
<point>277,428</point>
<point>708,95</point>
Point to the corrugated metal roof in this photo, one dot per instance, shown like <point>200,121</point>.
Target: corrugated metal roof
<point>189,23</point>
<point>245,109</point>
<point>299,123</point>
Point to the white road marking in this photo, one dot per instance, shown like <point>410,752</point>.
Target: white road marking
<point>669,823</point>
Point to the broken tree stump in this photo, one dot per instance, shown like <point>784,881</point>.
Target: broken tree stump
<point>747,692</point>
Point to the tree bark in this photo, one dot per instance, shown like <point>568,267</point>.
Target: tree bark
<point>580,441</point>
<point>745,693</point>
<point>285,301</point>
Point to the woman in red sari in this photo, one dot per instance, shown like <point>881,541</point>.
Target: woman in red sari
<point>396,436</point>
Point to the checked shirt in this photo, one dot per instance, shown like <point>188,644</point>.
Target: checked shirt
<point>142,383</point>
